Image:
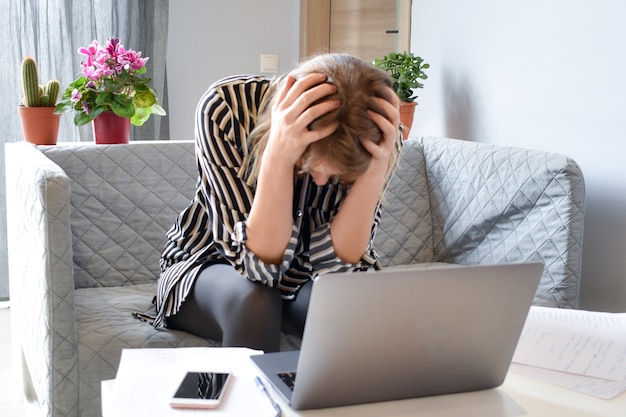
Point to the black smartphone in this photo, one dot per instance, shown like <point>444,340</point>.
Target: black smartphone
<point>201,390</point>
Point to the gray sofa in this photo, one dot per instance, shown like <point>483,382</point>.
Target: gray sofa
<point>86,226</point>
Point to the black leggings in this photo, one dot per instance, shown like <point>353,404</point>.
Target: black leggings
<point>224,305</point>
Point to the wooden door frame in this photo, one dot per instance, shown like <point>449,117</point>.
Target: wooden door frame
<point>315,26</point>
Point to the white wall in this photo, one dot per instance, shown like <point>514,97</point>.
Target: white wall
<point>212,39</point>
<point>542,74</point>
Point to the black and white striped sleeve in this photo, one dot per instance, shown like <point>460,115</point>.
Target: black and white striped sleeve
<point>224,120</point>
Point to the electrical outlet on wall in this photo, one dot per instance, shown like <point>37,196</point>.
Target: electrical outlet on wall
<point>269,63</point>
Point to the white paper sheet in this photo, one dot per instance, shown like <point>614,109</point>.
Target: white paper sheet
<point>596,387</point>
<point>576,344</point>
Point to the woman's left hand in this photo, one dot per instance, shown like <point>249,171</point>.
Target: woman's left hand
<point>389,125</point>
<point>351,228</point>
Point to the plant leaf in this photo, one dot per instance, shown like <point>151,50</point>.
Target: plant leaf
<point>124,109</point>
<point>144,99</point>
<point>158,110</point>
<point>104,98</point>
<point>141,115</point>
<point>81,118</point>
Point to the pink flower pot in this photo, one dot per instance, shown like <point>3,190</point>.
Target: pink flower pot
<point>109,128</point>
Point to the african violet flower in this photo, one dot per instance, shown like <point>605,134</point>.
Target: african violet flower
<point>111,80</point>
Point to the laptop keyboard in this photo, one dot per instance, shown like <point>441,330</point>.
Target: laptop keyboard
<point>288,378</point>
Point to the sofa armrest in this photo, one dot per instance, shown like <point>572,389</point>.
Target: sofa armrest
<point>499,204</point>
<point>41,274</point>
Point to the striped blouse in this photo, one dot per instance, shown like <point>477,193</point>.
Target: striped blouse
<point>212,229</point>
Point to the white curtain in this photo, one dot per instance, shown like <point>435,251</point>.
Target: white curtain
<point>51,31</point>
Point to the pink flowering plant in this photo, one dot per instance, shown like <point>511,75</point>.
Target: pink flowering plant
<point>111,80</point>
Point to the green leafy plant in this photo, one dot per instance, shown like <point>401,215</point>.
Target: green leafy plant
<point>406,70</point>
<point>36,95</point>
<point>111,80</point>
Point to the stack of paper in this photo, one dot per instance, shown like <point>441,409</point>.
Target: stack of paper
<point>581,350</point>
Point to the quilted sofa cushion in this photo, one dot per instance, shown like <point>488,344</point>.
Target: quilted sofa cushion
<point>106,326</point>
<point>405,233</point>
<point>495,204</point>
<point>123,200</point>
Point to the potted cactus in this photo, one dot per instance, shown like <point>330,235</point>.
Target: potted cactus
<point>406,70</point>
<point>40,124</point>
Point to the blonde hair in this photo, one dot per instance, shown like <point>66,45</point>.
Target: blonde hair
<point>357,83</point>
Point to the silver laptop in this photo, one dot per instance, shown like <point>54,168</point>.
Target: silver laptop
<point>396,334</point>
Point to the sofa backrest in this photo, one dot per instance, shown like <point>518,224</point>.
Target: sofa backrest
<point>123,200</point>
<point>463,202</point>
<point>449,201</point>
<point>405,234</point>
<point>497,204</point>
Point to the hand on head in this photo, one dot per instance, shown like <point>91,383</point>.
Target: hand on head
<point>305,111</point>
<point>297,106</point>
<point>389,124</point>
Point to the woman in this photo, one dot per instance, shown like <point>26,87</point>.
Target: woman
<point>291,175</point>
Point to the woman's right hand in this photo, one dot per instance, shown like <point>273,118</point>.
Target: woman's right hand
<point>292,113</point>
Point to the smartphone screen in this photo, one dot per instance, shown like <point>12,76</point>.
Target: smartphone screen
<point>201,390</point>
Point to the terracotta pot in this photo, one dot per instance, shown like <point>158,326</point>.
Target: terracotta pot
<point>109,128</point>
<point>407,111</point>
<point>39,124</point>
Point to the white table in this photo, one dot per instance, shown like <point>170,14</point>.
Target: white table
<point>145,385</point>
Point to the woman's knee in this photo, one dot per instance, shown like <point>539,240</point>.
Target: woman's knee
<point>257,301</point>
<point>225,305</point>
<point>229,294</point>
<point>249,313</point>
